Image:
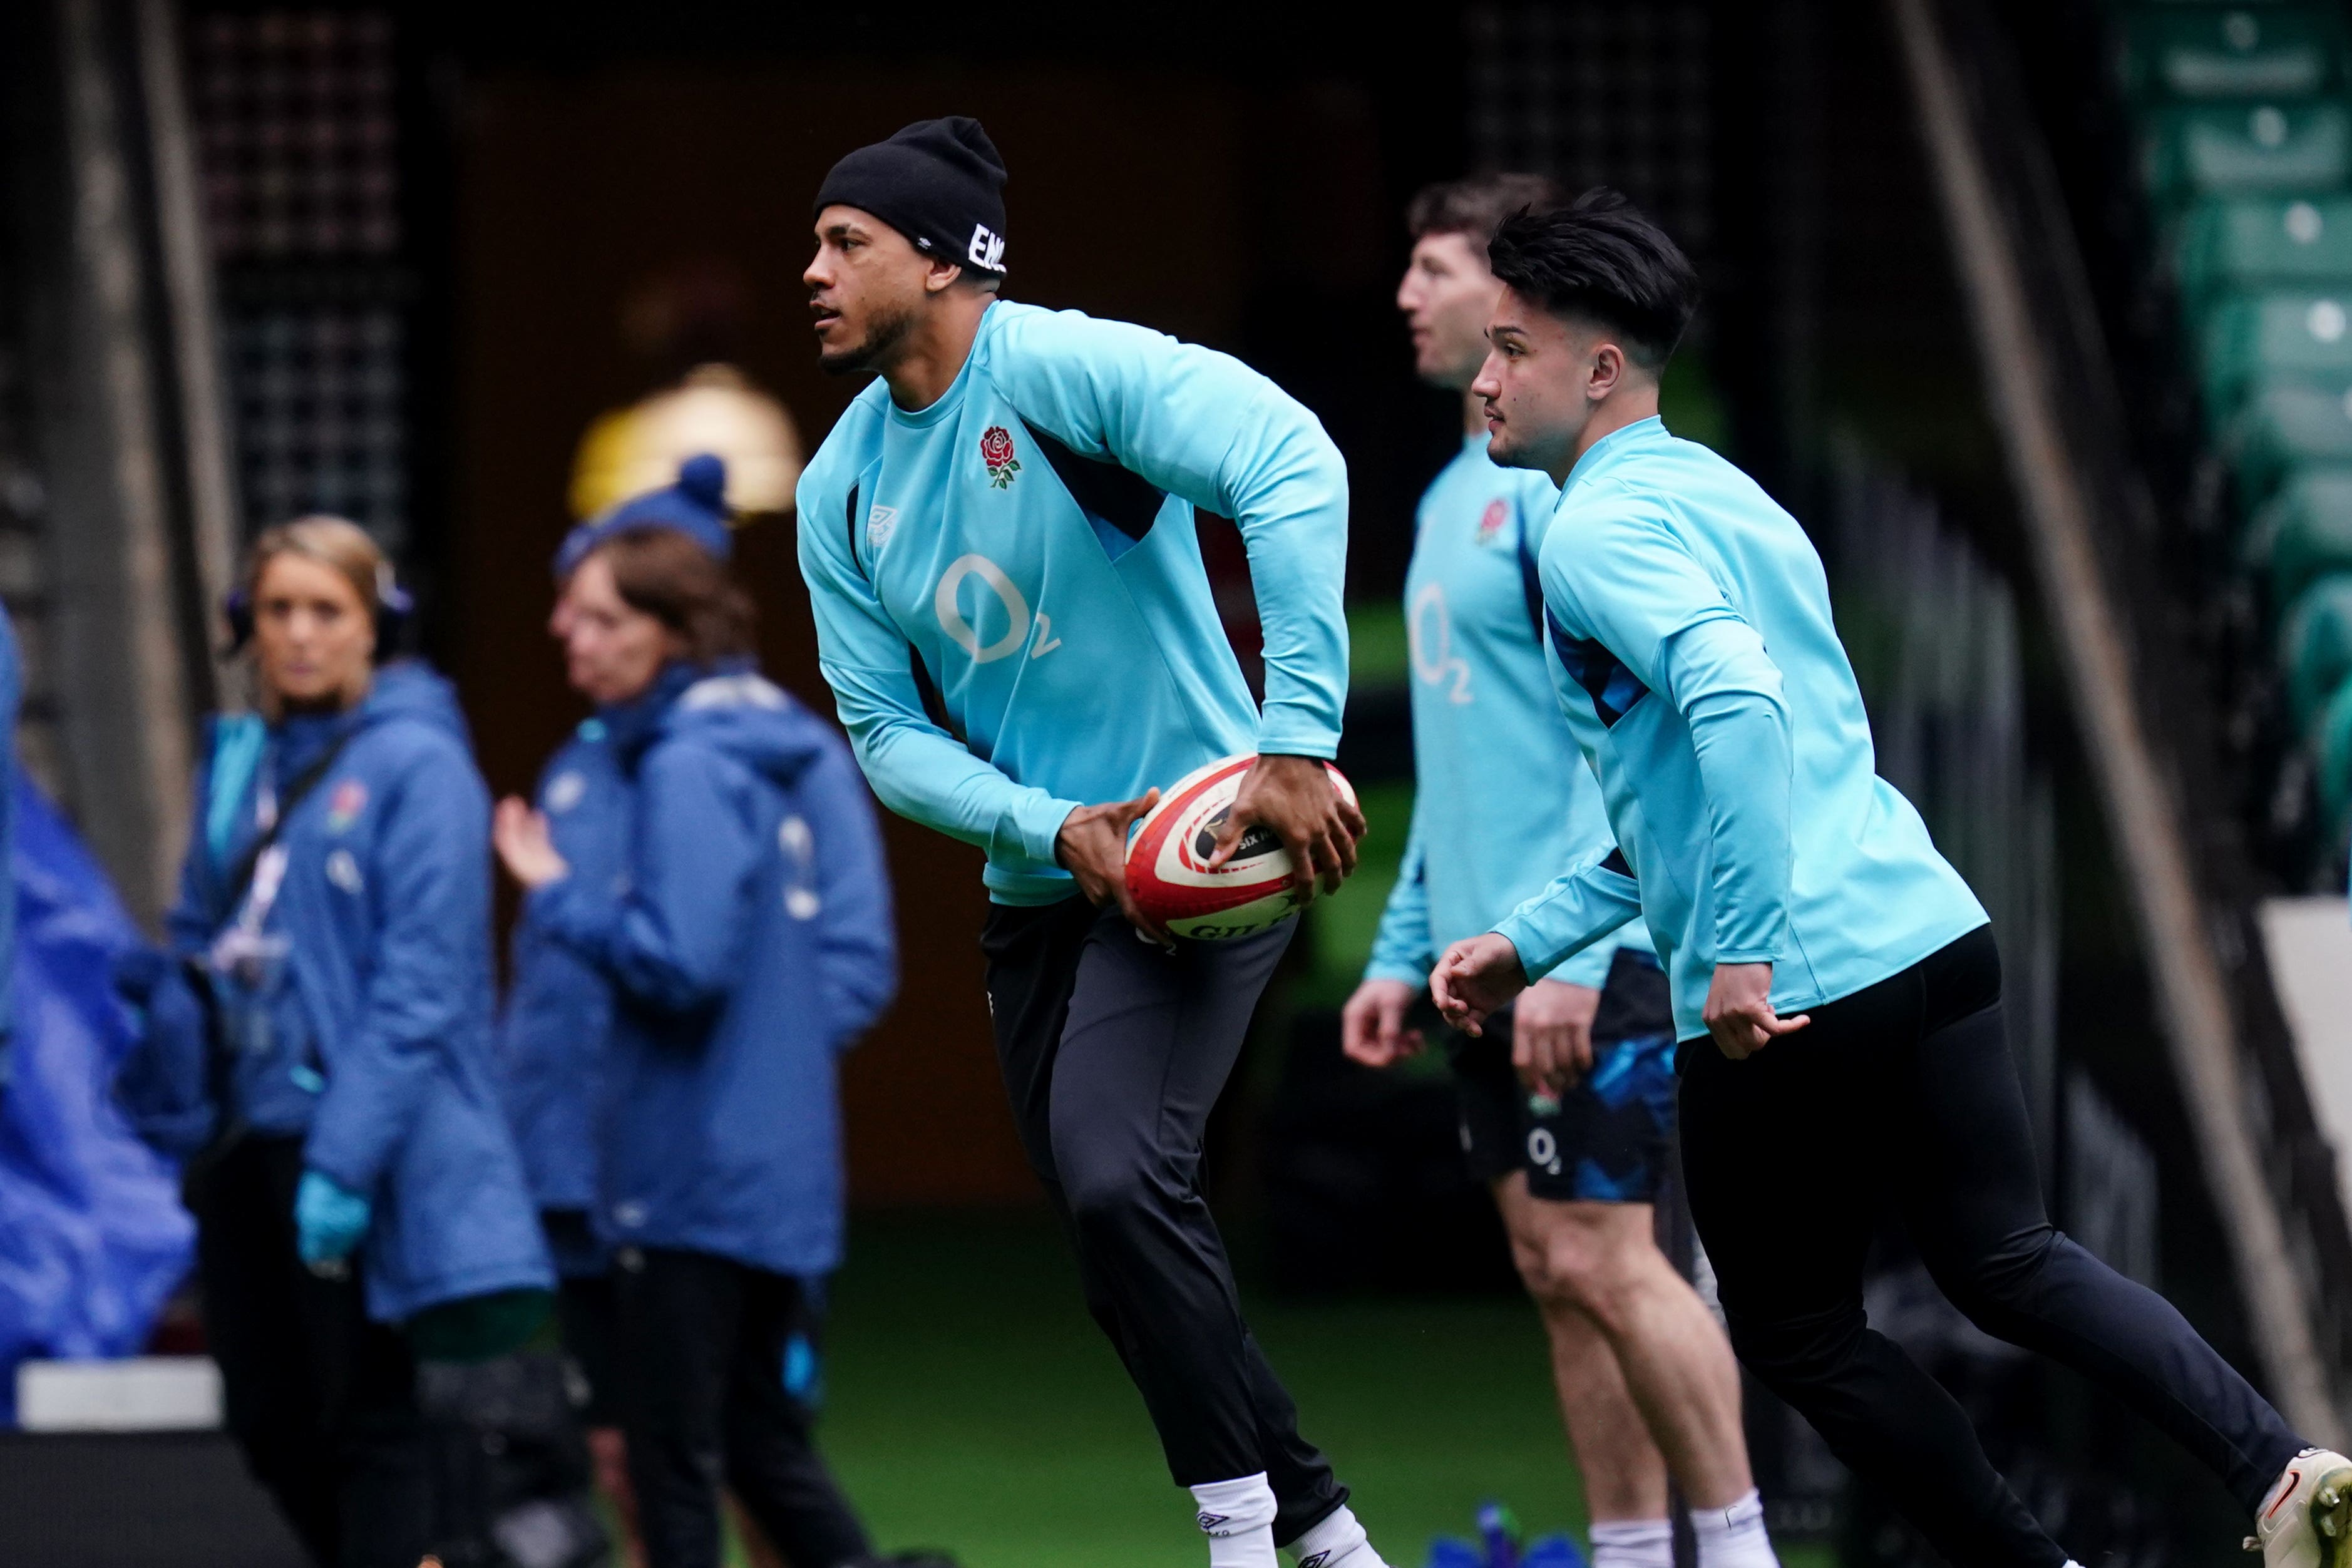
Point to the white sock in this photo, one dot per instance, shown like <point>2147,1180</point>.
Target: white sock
<point>1338,1542</point>
<point>1237,1516</point>
<point>1732,1537</point>
<point>1634,1543</point>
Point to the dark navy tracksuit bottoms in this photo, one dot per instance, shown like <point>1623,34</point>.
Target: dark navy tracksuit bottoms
<point>1114,1054</point>
<point>1904,1090</point>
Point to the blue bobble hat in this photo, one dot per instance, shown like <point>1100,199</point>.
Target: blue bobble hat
<point>695,506</point>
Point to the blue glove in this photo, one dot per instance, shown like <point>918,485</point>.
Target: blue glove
<point>328,1219</point>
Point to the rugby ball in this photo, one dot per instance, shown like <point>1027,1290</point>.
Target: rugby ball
<point>1167,859</point>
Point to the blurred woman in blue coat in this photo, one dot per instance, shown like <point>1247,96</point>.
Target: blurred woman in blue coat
<point>558,1004</point>
<point>318,1048</point>
<point>748,942</point>
<point>558,1007</point>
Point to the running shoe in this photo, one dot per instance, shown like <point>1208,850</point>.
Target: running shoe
<point>2306,1522</point>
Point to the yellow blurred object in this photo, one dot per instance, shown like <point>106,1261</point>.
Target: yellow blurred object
<point>715,408</point>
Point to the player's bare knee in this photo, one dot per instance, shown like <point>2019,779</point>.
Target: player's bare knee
<point>1534,1272</point>
<point>1585,1276</point>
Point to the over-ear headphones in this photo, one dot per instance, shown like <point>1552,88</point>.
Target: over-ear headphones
<point>395,611</point>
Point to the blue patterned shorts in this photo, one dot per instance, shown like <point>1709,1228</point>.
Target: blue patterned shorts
<point>1609,1136</point>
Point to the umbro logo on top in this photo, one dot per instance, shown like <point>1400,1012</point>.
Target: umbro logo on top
<point>987,248</point>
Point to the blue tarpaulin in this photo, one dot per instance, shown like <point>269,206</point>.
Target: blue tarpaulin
<point>92,1236</point>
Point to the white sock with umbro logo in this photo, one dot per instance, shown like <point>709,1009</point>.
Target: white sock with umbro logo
<point>1337,1540</point>
<point>1237,1516</point>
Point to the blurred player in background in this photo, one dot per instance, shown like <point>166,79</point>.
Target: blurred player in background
<point>1835,984</point>
<point>317,1047</point>
<point>1567,1097</point>
<point>747,940</point>
<point>1011,610</point>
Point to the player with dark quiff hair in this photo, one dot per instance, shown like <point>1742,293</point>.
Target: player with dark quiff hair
<point>1567,1099</point>
<point>1836,986</point>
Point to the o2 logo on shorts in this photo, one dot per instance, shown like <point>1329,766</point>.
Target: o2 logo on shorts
<point>1009,598</point>
<point>1543,1151</point>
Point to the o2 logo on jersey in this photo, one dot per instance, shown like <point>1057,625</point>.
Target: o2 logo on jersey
<point>1018,625</point>
<point>986,249</point>
<point>1430,631</point>
<point>996,452</point>
<point>1491,521</point>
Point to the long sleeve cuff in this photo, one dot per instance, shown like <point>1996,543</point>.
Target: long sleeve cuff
<point>1591,968</point>
<point>1588,967</point>
<point>1294,730</point>
<point>1412,974</point>
<point>1036,820</point>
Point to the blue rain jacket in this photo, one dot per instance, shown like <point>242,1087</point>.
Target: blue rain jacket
<point>382,920</point>
<point>12,693</point>
<point>753,944</point>
<point>92,1236</point>
<point>558,1007</point>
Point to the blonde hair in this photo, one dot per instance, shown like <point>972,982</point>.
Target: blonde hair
<point>336,543</point>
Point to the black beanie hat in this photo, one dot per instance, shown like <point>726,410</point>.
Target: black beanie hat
<point>940,183</point>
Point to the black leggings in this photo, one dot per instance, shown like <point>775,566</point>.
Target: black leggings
<point>1906,1089</point>
<point>703,1349</point>
<point>321,1401</point>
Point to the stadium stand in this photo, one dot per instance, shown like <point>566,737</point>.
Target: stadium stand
<point>2118,183</point>
<point>2245,134</point>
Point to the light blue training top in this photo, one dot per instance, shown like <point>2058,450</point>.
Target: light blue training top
<point>1010,602</point>
<point>1502,798</point>
<point>1692,646</point>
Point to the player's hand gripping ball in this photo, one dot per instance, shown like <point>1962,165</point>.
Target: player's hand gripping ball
<point>1168,871</point>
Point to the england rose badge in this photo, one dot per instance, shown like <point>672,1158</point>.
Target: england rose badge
<point>996,451</point>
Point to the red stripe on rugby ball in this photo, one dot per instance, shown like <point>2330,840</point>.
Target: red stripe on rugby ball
<point>1167,861</point>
